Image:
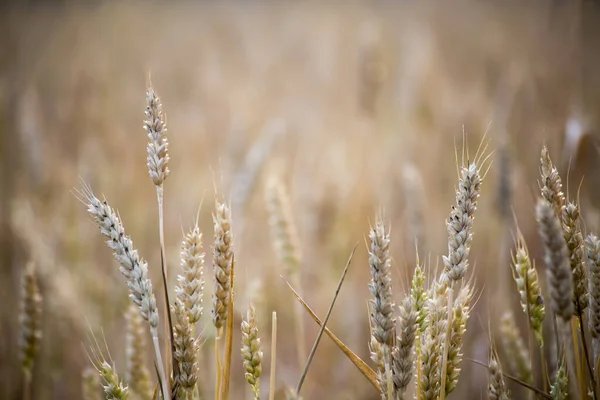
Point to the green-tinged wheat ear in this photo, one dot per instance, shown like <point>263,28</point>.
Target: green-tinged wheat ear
<point>403,358</point>
<point>460,310</point>
<point>551,184</point>
<point>137,375</point>
<point>190,287</point>
<point>592,244</point>
<point>222,261</point>
<point>526,278</point>
<point>186,351</point>
<point>497,389</point>
<point>30,319</point>
<point>560,279</point>
<point>514,349</point>
<point>251,351</point>
<point>90,384</point>
<point>577,257</point>
<point>433,341</point>
<point>560,387</point>
<point>114,388</point>
<point>419,297</point>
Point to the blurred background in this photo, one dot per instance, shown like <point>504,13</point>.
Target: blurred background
<point>354,106</point>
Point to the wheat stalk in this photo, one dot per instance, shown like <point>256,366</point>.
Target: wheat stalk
<point>132,266</point>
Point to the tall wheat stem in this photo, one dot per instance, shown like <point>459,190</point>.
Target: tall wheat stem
<point>160,366</point>
<point>273,356</point>
<point>27,385</point>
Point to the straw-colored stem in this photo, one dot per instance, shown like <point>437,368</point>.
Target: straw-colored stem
<point>586,354</point>
<point>27,385</point>
<point>580,377</point>
<point>159,365</point>
<point>161,235</point>
<point>446,342</point>
<point>218,364</point>
<point>273,356</point>
<point>544,370</point>
<point>228,339</point>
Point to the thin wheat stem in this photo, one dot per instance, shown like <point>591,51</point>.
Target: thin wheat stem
<point>586,353</point>
<point>218,364</point>
<point>166,390</point>
<point>273,356</point>
<point>27,385</point>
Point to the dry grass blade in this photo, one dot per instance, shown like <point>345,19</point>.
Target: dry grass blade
<point>228,339</point>
<point>356,360</point>
<point>320,334</point>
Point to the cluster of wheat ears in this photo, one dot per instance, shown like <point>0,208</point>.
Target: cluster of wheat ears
<point>422,339</point>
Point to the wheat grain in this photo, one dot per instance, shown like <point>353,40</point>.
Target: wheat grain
<point>114,388</point>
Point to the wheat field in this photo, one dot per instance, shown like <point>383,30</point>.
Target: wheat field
<point>443,156</point>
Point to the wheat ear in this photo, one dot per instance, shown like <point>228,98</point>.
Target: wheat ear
<point>460,310</point>
<point>114,388</point>
<point>592,244</point>
<point>132,266</point>
<point>157,161</point>
<point>186,351</point>
<point>526,278</point>
<point>560,279</point>
<point>287,248</point>
<point>403,359</point>
<point>191,282</point>
<point>514,349</point>
<point>252,354</point>
<point>497,389</point>
<point>137,375</point>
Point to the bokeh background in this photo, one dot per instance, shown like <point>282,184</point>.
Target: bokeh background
<point>355,106</point>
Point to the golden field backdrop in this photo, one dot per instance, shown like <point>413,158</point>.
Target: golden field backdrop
<point>355,106</point>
